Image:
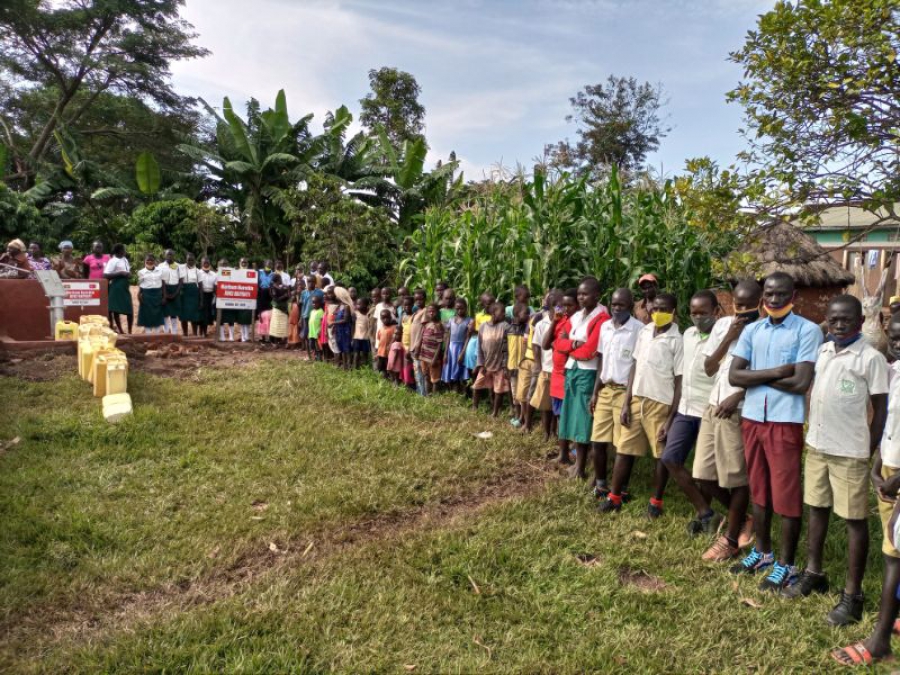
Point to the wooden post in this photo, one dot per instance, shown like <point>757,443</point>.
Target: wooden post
<point>218,327</point>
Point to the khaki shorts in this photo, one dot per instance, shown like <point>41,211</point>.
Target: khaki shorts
<point>523,383</point>
<point>541,398</point>
<point>719,454</point>
<point>841,483</point>
<point>608,415</point>
<point>884,511</point>
<point>495,380</point>
<point>647,418</point>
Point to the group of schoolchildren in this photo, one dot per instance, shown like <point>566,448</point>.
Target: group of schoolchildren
<point>626,382</point>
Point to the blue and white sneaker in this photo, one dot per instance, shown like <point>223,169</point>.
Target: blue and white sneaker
<point>781,577</point>
<point>754,562</point>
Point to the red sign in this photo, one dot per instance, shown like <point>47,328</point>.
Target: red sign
<point>236,289</point>
<point>81,293</point>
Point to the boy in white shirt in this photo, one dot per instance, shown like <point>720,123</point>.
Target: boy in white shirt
<point>886,478</point>
<point>616,349</point>
<point>850,374</point>
<point>651,400</point>
<point>696,387</point>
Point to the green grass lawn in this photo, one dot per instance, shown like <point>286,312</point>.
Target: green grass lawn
<point>288,517</point>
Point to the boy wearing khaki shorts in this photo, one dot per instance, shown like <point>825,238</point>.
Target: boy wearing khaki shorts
<point>850,374</point>
<point>616,348</point>
<point>651,399</point>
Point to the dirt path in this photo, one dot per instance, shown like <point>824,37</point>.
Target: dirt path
<point>39,631</point>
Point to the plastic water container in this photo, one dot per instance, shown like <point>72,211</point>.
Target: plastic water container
<point>116,377</point>
<point>93,318</point>
<point>101,363</point>
<point>66,330</point>
<point>116,406</point>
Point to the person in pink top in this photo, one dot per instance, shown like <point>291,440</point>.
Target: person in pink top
<point>95,261</point>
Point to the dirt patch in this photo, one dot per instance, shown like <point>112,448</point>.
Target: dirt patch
<point>639,579</point>
<point>124,611</point>
<point>166,359</point>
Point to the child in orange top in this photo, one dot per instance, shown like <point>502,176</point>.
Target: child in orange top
<point>385,339</point>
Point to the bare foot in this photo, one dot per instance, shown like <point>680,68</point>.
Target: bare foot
<point>574,472</point>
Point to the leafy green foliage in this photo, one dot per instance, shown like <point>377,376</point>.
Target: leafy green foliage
<point>182,225</point>
<point>548,233</point>
<point>147,173</point>
<point>820,92</point>
<point>19,218</point>
<point>393,106</point>
<point>618,123</point>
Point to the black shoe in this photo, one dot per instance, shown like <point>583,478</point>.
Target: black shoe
<point>609,506</point>
<point>848,610</point>
<point>709,525</point>
<point>626,495</point>
<point>601,489</point>
<point>653,511</point>
<point>807,584</point>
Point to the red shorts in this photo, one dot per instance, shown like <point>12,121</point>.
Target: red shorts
<point>774,452</point>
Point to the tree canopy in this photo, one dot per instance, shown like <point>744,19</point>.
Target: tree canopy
<point>393,106</point>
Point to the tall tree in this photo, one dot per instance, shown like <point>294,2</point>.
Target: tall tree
<point>79,49</point>
<point>393,105</point>
<point>821,92</point>
<point>618,123</point>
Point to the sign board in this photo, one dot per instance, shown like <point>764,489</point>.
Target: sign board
<point>236,288</point>
<point>81,293</point>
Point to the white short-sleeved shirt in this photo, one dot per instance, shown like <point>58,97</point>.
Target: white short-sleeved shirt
<point>150,278</point>
<point>208,280</point>
<point>890,441</point>
<point>617,345</point>
<point>840,396</point>
<point>659,359</point>
<point>115,265</point>
<point>722,388</point>
<point>540,330</point>
<point>189,275</point>
<point>579,331</point>
<point>696,385</point>
<point>170,276</point>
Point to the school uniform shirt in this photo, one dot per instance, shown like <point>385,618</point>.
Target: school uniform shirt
<point>116,265</point>
<point>721,388</point>
<point>768,345</point>
<point>581,322</point>
<point>890,440</point>
<point>208,280</point>
<point>696,385</point>
<point>190,275</point>
<point>150,278</point>
<point>540,331</point>
<point>617,347</point>
<point>170,275</point>
<point>659,359</point>
<point>840,397</point>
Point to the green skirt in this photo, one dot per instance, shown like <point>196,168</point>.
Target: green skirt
<point>575,421</point>
<point>150,313</point>
<point>173,305</point>
<point>190,303</point>
<point>243,317</point>
<point>120,296</point>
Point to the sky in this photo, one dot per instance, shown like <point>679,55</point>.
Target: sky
<point>496,75</point>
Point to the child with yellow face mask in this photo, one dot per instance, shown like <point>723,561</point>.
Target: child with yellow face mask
<point>651,400</point>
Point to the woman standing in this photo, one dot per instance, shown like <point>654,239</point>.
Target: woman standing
<point>190,295</point>
<point>118,272</point>
<point>36,257</point>
<point>171,275</point>
<point>95,262</point>
<point>151,296</point>
<point>66,265</point>
<point>208,279</point>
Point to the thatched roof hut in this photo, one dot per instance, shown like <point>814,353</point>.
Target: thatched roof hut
<point>784,247</point>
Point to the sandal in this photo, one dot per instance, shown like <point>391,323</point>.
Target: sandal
<point>857,655</point>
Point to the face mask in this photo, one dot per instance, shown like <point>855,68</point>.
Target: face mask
<point>750,316</point>
<point>705,324</point>
<point>846,341</point>
<point>780,312</point>
<point>662,319</point>
<point>621,318</point>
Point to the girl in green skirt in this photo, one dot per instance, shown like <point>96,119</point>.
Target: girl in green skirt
<point>229,316</point>
<point>244,317</point>
<point>207,296</point>
<point>150,295</point>
<point>191,299</point>
<point>118,272</point>
<point>171,275</point>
